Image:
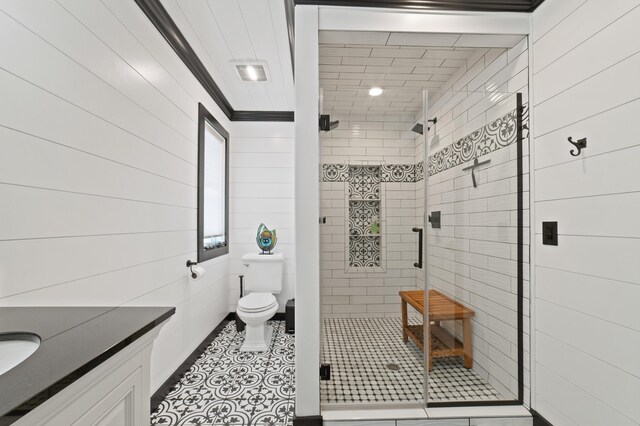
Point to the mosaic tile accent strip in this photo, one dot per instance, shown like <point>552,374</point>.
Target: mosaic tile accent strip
<point>335,172</point>
<point>364,251</point>
<point>364,182</point>
<point>398,172</point>
<point>359,349</point>
<point>419,171</point>
<point>229,387</point>
<point>388,172</point>
<point>361,214</point>
<point>495,135</point>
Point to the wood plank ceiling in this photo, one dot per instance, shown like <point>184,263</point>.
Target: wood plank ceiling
<point>224,33</point>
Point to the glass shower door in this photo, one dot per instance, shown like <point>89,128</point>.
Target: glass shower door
<point>369,208</point>
<point>476,243</point>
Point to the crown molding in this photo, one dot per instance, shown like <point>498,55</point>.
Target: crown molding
<point>461,5</point>
<point>160,18</point>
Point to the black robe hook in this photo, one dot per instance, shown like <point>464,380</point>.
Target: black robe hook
<point>580,144</point>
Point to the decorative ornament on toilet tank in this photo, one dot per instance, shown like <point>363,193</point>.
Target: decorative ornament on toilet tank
<point>266,239</point>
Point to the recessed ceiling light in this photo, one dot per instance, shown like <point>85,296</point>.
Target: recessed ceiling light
<point>375,91</point>
<point>251,72</point>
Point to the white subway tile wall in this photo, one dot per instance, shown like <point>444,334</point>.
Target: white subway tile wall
<point>372,140</point>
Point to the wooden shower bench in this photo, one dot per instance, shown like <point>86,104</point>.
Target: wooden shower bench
<point>441,308</point>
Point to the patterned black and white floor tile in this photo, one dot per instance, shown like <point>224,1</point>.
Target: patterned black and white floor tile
<point>229,387</point>
<point>370,364</point>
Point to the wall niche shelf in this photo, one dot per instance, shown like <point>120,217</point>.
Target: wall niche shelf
<point>364,209</point>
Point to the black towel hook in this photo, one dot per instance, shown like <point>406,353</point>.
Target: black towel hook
<point>580,144</point>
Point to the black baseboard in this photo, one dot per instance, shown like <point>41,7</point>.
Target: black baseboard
<point>168,384</point>
<point>307,421</point>
<point>538,420</point>
<point>164,390</point>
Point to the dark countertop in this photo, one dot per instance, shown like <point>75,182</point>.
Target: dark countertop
<point>75,340</point>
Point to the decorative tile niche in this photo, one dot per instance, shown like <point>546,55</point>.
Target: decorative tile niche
<point>364,183</point>
<point>361,215</point>
<point>364,251</point>
<point>364,204</point>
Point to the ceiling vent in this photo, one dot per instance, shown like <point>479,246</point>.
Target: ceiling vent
<point>252,72</point>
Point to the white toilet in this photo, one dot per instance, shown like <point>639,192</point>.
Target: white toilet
<point>262,279</point>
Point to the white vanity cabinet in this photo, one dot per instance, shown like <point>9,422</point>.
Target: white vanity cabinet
<point>115,393</point>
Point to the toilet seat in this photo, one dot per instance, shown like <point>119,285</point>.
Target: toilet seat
<point>257,302</point>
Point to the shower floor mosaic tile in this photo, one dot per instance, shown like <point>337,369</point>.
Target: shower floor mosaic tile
<point>361,350</point>
<point>229,387</point>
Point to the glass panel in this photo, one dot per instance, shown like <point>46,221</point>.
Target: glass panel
<point>472,247</point>
<point>372,195</point>
<point>214,187</point>
<point>370,204</point>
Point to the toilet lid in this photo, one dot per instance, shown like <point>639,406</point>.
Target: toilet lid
<point>257,302</point>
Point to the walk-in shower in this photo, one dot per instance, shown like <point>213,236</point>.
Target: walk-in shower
<point>423,233</point>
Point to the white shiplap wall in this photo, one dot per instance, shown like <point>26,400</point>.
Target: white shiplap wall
<point>587,334</point>
<point>261,191</point>
<point>98,168</point>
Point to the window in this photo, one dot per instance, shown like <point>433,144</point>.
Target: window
<point>213,187</point>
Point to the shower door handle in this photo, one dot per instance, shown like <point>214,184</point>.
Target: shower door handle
<point>418,264</point>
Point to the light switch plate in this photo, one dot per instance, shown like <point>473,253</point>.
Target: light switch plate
<point>550,233</point>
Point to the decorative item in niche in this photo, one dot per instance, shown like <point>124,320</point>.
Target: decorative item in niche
<point>266,239</point>
<point>375,226</point>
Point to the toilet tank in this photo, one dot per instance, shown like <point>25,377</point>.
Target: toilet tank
<point>264,272</point>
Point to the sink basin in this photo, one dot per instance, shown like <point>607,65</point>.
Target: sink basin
<point>15,348</point>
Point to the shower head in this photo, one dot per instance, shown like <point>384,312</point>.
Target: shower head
<point>326,124</point>
<point>418,128</point>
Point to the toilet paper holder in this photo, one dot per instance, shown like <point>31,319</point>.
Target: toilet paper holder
<point>194,274</point>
